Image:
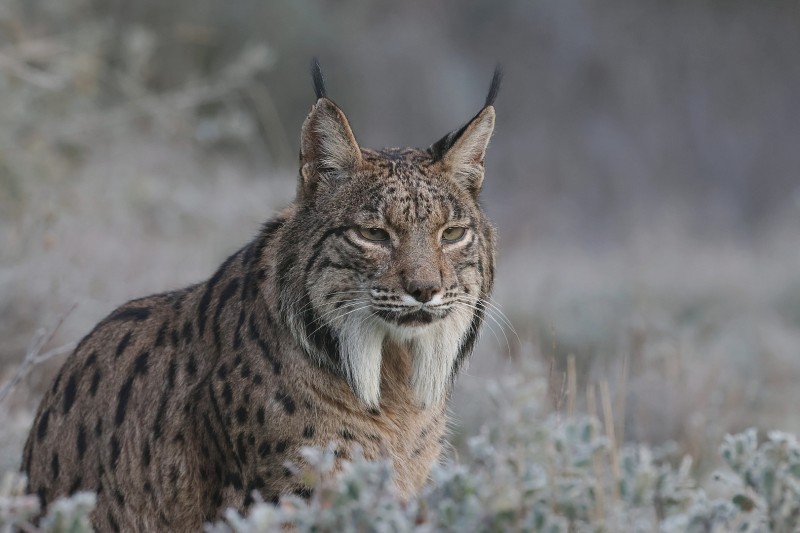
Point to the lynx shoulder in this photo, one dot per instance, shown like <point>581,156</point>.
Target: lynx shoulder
<point>345,320</point>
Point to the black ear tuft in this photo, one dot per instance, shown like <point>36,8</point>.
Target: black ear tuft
<point>494,88</point>
<point>319,81</point>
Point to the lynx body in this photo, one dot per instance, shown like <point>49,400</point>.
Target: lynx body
<point>345,320</point>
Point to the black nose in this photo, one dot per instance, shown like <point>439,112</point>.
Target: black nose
<point>423,291</point>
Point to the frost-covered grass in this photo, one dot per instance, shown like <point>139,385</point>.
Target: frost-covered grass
<point>524,472</point>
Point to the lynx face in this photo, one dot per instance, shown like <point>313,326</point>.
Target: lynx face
<point>397,250</point>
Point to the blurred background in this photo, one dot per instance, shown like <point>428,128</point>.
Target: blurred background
<point>644,177</point>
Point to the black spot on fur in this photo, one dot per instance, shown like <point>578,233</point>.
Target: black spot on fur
<point>123,343</point>
<point>308,432</point>
<point>241,415</point>
<point>222,371</point>
<point>265,351</point>
<point>92,359</point>
<point>260,415</point>
<point>235,480</point>
<point>159,421</point>
<point>130,313</point>
<point>264,449</point>
<point>146,454</point>
<point>113,522</point>
<point>98,427</point>
<point>188,332</point>
<point>58,380</point>
<point>347,434</point>
<point>95,383</point>
<point>237,334</point>
<point>42,493</point>
<point>281,446</point>
<point>284,399</point>
<point>81,441</point>
<point>240,448</point>
<point>258,379</point>
<point>119,497</point>
<point>171,369</point>
<point>161,335</point>
<point>76,485</point>
<point>41,429</point>
<point>191,365</point>
<point>173,337</point>
<point>69,392</point>
<point>55,467</point>
<point>114,451</point>
<point>227,394</point>
<point>227,293</point>
<point>140,365</point>
<point>122,401</point>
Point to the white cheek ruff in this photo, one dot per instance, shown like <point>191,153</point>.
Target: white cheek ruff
<point>434,348</point>
<point>435,352</point>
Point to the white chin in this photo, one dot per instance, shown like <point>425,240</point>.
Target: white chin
<point>406,332</point>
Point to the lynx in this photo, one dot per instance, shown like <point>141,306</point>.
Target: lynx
<point>345,321</point>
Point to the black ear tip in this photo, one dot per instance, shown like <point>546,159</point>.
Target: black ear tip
<point>494,88</point>
<point>319,81</point>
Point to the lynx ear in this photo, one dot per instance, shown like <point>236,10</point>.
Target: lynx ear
<point>327,144</point>
<point>462,152</point>
<point>463,159</point>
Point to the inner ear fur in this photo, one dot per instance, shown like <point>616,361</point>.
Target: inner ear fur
<point>327,144</point>
<point>462,152</point>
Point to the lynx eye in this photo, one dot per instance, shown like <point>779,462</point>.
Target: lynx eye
<point>373,234</point>
<point>453,234</point>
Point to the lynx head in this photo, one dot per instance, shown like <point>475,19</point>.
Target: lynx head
<point>388,245</point>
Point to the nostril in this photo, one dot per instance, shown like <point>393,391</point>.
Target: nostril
<point>423,292</point>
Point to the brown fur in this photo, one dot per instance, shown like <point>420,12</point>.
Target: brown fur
<point>181,404</point>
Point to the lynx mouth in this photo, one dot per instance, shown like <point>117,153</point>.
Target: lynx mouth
<point>415,317</point>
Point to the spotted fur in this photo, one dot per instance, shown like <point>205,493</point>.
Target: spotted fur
<point>179,405</point>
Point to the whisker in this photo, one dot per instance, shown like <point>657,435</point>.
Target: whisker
<point>489,304</point>
<point>338,317</point>
<point>477,303</point>
<point>493,310</point>
<point>347,305</point>
<point>473,307</point>
<point>311,304</point>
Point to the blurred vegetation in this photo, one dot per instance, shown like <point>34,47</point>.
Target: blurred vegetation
<point>612,116</point>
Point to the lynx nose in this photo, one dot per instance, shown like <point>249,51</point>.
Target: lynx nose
<point>423,291</point>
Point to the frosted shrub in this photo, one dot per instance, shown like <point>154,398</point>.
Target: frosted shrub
<point>767,477</point>
<point>524,473</point>
<point>551,476</point>
<point>17,510</point>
